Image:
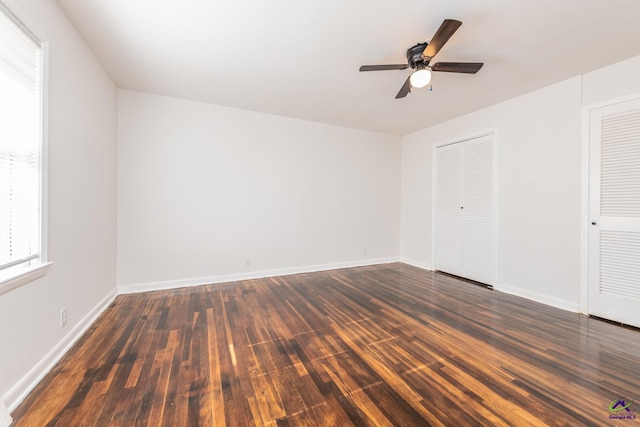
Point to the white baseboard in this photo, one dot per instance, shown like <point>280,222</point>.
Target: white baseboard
<point>5,417</point>
<point>573,306</point>
<point>22,388</point>
<point>209,280</point>
<point>419,264</point>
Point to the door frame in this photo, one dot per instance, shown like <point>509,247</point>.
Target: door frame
<point>494,133</point>
<point>585,196</point>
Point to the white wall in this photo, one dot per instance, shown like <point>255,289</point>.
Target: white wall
<point>611,82</point>
<point>82,211</point>
<point>202,188</point>
<point>539,206</point>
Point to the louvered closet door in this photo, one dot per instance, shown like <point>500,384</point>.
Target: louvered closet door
<point>614,199</point>
<point>477,215</point>
<point>448,212</point>
<point>465,208</point>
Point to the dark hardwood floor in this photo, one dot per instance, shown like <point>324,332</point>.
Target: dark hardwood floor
<point>380,345</point>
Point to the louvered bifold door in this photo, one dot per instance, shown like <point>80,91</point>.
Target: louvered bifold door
<point>614,202</point>
<point>477,210</point>
<point>448,212</point>
<point>465,209</point>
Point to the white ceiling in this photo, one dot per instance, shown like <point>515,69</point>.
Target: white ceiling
<point>300,58</point>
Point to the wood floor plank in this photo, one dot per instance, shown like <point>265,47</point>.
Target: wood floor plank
<point>366,346</point>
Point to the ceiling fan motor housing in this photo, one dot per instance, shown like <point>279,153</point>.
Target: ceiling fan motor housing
<point>414,55</point>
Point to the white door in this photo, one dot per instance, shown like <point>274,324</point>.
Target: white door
<point>465,209</point>
<point>448,212</point>
<point>614,209</point>
<point>478,210</point>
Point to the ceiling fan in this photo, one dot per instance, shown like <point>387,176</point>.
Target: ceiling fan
<point>420,56</point>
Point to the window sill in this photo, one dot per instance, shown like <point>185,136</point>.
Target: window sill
<point>23,277</point>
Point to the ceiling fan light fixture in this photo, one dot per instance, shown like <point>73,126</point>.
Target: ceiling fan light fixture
<point>420,78</point>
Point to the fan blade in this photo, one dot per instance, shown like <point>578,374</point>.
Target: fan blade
<point>405,89</point>
<point>444,33</point>
<point>458,67</point>
<point>384,67</point>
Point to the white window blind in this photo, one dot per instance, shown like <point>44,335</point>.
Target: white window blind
<point>20,145</point>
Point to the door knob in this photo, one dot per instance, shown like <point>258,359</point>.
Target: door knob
<point>593,223</point>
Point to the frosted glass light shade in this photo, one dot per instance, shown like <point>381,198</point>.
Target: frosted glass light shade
<point>420,78</point>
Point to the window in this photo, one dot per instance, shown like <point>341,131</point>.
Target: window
<point>21,151</point>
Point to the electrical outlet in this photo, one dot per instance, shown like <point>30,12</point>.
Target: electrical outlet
<point>247,262</point>
<point>63,317</point>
